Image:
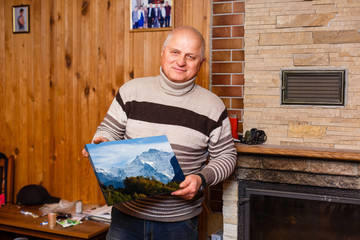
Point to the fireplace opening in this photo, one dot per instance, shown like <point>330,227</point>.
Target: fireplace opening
<point>282,211</point>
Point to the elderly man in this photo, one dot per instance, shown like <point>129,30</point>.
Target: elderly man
<point>196,124</point>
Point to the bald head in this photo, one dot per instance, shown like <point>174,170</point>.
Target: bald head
<point>182,54</point>
<point>188,32</point>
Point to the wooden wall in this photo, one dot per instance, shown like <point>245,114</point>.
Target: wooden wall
<point>57,83</point>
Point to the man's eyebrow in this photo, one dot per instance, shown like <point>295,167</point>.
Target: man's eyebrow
<point>187,53</point>
<point>174,49</point>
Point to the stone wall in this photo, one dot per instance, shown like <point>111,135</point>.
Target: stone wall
<point>318,34</point>
<point>284,34</point>
<point>230,209</point>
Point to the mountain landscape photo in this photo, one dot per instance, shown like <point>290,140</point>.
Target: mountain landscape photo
<point>153,163</point>
<point>135,168</point>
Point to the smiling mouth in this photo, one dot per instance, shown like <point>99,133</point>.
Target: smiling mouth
<point>179,69</point>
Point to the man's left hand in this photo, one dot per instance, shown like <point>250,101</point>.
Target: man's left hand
<point>189,187</point>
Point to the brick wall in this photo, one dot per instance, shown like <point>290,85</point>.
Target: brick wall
<point>227,81</point>
<point>227,54</point>
<point>285,34</point>
<point>227,65</point>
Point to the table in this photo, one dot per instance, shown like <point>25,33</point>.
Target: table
<point>12,220</point>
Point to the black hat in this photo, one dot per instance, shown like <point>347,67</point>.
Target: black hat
<point>34,195</point>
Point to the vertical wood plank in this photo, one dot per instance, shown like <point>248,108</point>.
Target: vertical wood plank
<point>121,44</point>
<point>45,141</point>
<point>3,139</point>
<point>68,189</point>
<point>77,160</point>
<point>58,89</point>
<point>9,100</point>
<point>74,90</point>
<point>21,81</point>
<point>51,179</point>
<point>138,56</point>
<point>85,83</point>
<point>36,101</point>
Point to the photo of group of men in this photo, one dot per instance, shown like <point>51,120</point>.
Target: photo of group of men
<point>150,14</point>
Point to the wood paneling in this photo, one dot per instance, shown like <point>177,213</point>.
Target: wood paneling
<point>58,81</point>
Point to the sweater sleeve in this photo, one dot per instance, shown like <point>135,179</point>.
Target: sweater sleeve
<point>222,153</point>
<point>113,125</point>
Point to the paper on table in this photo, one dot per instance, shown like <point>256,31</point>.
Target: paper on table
<point>103,212</point>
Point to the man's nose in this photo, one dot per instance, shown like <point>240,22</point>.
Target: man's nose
<point>181,61</point>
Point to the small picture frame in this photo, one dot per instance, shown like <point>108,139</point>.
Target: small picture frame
<point>151,15</point>
<point>21,19</point>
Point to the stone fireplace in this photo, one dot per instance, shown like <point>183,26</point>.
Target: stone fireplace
<point>272,166</point>
<point>288,211</point>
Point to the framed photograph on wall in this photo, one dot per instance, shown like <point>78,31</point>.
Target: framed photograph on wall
<point>21,19</point>
<point>149,15</point>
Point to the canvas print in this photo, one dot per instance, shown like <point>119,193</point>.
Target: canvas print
<point>136,168</point>
<point>146,15</point>
<point>21,19</point>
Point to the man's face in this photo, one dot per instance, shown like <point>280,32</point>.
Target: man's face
<point>181,59</point>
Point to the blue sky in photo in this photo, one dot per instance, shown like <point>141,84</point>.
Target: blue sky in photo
<point>119,153</point>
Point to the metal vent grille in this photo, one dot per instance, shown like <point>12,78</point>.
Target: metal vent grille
<point>303,87</point>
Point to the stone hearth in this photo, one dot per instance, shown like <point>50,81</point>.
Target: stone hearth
<point>300,166</point>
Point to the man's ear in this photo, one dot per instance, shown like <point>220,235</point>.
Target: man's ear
<point>161,56</point>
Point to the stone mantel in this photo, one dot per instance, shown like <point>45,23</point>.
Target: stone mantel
<point>296,151</point>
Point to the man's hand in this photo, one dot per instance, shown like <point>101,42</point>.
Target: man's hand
<point>96,140</point>
<point>189,187</point>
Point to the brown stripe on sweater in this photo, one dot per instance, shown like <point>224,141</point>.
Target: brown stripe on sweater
<point>163,114</point>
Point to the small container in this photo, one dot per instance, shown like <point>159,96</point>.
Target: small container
<point>78,207</point>
<point>234,125</point>
<point>52,220</point>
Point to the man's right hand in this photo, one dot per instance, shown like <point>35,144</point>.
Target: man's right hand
<point>96,140</point>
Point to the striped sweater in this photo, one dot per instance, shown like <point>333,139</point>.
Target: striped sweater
<point>195,122</point>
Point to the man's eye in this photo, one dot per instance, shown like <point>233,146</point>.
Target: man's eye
<point>191,56</point>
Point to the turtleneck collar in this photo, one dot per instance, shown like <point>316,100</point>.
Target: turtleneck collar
<point>176,89</point>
